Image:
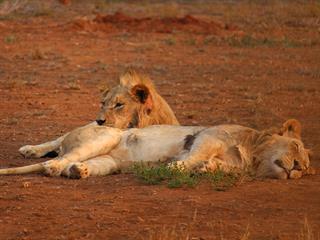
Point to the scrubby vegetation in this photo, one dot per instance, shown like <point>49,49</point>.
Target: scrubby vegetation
<point>174,177</point>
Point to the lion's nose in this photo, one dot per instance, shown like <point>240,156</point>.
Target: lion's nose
<point>297,166</point>
<point>100,122</point>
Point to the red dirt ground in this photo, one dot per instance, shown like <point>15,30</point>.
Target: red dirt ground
<point>50,77</point>
<point>122,22</point>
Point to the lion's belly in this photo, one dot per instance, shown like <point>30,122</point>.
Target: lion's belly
<point>156,143</point>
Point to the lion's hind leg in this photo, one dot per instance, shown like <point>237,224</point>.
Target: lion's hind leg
<point>82,145</point>
<point>99,166</point>
<point>205,149</point>
<point>213,165</point>
<point>76,163</point>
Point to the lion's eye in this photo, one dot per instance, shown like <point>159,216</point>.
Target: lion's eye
<point>118,105</point>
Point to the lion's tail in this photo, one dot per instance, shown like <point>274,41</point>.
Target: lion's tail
<point>34,168</point>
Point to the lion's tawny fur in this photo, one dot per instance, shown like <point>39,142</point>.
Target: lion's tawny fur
<point>135,112</point>
<point>101,150</point>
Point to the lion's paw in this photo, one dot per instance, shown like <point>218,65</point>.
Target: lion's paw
<point>78,170</point>
<point>207,166</point>
<point>180,165</point>
<point>30,151</point>
<point>295,174</point>
<point>52,168</point>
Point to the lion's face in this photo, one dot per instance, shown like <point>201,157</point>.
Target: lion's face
<point>124,105</point>
<point>283,157</point>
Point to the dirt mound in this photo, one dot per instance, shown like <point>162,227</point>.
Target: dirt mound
<point>122,22</point>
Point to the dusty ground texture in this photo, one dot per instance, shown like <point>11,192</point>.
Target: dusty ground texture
<point>252,63</point>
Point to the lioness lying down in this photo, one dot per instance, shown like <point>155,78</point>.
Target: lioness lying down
<point>101,150</point>
<point>134,103</point>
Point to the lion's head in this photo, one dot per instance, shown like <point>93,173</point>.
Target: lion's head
<point>282,155</point>
<point>134,103</point>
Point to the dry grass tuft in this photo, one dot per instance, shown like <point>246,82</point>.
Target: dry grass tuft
<point>306,232</point>
<point>246,235</point>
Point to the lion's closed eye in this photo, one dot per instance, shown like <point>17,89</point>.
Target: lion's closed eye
<point>297,165</point>
<point>279,163</point>
<point>119,105</point>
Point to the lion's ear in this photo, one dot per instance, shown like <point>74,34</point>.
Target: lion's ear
<point>291,128</point>
<point>142,94</point>
<point>105,92</point>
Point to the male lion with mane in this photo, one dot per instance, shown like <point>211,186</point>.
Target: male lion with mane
<point>102,150</point>
<point>134,103</point>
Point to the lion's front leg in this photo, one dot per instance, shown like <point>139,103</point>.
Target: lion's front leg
<point>76,165</point>
<point>50,149</point>
<point>82,145</point>
<point>41,150</point>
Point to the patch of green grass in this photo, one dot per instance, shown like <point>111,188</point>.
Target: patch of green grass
<point>297,87</point>
<point>287,43</point>
<point>221,180</point>
<point>175,177</point>
<point>43,12</point>
<point>12,121</point>
<point>170,41</point>
<point>10,39</point>
<point>191,42</point>
<point>251,42</point>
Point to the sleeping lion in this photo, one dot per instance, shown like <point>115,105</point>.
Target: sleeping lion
<point>101,150</point>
